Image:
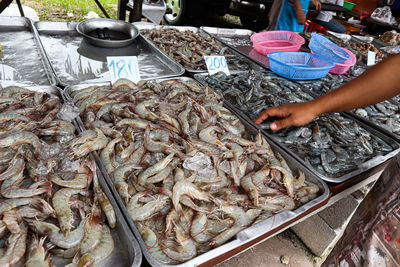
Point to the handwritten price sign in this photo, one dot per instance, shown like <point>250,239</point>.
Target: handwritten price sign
<point>216,64</point>
<point>123,67</point>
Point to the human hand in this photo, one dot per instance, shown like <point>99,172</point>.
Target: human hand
<point>317,4</point>
<point>297,114</point>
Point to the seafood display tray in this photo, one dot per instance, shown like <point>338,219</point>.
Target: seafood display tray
<point>372,124</point>
<point>23,58</point>
<point>239,41</point>
<point>127,251</point>
<point>361,168</point>
<point>75,61</point>
<point>376,42</point>
<point>149,26</point>
<point>246,237</point>
<point>364,120</point>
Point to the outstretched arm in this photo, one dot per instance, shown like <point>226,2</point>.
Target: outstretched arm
<point>375,85</point>
<point>301,16</point>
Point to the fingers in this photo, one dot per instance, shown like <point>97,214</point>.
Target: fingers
<point>278,125</point>
<point>271,112</point>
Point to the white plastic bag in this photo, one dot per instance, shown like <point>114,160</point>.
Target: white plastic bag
<point>383,14</point>
<point>201,164</point>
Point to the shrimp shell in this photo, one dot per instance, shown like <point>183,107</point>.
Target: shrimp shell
<point>62,208</point>
<point>16,247</point>
<point>37,254</point>
<point>102,251</point>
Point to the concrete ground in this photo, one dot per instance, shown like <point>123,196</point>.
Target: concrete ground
<point>309,242</point>
<point>272,253</point>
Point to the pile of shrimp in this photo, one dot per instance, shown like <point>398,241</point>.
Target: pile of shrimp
<point>48,205</point>
<point>189,174</point>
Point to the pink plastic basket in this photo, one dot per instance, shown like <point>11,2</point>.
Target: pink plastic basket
<point>341,68</point>
<point>276,41</point>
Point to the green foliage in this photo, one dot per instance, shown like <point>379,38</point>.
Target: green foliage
<point>58,9</point>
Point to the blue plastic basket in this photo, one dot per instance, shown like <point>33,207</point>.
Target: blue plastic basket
<point>299,65</point>
<point>324,47</point>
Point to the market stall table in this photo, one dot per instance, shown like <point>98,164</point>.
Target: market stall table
<point>58,36</point>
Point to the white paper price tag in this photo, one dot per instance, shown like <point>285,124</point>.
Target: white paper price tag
<point>123,67</point>
<point>371,58</point>
<point>226,31</point>
<point>216,64</point>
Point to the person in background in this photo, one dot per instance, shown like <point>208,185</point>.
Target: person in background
<point>292,14</point>
<point>325,18</point>
<point>373,86</point>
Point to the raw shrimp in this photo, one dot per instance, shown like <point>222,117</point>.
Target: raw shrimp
<point>16,247</point>
<point>82,178</point>
<point>99,142</point>
<point>58,238</point>
<point>151,241</point>
<point>37,254</point>
<point>186,248</point>
<point>93,231</point>
<point>184,187</point>
<point>21,137</point>
<point>105,154</point>
<point>99,253</point>
<point>62,208</point>
<point>139,213</point>
<point>119,179</point>
<point>104,202</point>
<point>156,168</point>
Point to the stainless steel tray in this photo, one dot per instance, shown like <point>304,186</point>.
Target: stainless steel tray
<point>367,165</point>
<point>127,250</point>
<point>75,61</point>
<point>23,58</point>
<point>248,236</point>
<point>375,41</point>
<point>364,120</point>
<point>372,124</point>
<point>148,26</point>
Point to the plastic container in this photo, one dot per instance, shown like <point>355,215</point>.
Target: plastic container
<point>276,41</point>
<point>324,47</point>
<point>299,65</point>
<point>348,5</point>
<point>342,68</point>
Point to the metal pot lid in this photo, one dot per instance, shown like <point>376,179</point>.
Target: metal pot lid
<point>109,33</point>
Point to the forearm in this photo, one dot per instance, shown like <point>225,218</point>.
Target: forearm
<point>375,85</point>
<point>298,7</point>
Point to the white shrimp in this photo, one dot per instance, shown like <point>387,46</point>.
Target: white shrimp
<point>156,168</point>
<point>16,247</point>
<point>185,187</point>
<point>37,254</point>
<point>82,179</point>
<point>100,252</point>
<point>58,238</point>
<point>139,213</point>
<point>62,208</point>
<point>186,248</point>
<point>98,143</point>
